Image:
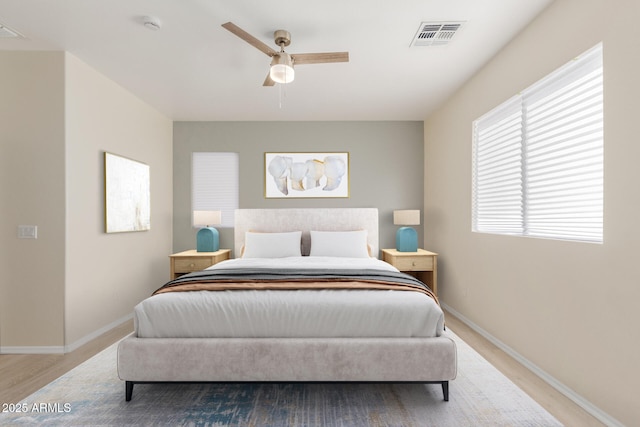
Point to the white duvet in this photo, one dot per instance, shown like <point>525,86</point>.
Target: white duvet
<point>290,313</point>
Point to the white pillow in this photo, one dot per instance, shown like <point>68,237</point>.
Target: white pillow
<point>348,244</point>
<point>272,245</point>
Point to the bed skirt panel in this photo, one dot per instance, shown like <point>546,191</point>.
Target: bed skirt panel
<point>287,359</point>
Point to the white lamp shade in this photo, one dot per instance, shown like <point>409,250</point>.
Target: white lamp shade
<point>281,70</point>
<point>406,217</point>
<point>206,218</point>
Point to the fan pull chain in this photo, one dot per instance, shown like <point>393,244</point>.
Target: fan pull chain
<point>281,94</point>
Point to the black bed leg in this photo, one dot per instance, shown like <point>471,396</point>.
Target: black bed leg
<point>445,390</point>
<point>128,390</point>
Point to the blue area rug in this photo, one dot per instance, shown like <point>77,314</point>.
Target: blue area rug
<point>92,395</point>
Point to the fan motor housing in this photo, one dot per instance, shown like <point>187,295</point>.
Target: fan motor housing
<point>282,37</point>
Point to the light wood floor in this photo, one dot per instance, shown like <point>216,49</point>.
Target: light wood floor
<point>557,404</point>
<point>21,375</point>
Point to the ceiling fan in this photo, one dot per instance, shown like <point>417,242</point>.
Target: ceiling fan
<point>282,63</point>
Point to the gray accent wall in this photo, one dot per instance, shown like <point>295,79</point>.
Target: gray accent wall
<point>386,167</point>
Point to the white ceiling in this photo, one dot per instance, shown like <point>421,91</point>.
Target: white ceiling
<point>193,69</point>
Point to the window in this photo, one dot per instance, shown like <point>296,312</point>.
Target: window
<point>538,158</point>
<point>214,184</point>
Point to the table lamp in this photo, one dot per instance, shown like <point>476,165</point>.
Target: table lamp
<point>208,238</point>
<point>406,237</point>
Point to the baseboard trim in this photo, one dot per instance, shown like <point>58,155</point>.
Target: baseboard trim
<point>57,349</point>
<point>549,379</point>
<point>95,334</point>
<point>32,349</point>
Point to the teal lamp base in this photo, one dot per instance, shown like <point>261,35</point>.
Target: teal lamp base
<point>207,240</point>
<point>407,240</point>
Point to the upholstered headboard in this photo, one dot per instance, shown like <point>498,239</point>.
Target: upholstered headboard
<point>325,219</point>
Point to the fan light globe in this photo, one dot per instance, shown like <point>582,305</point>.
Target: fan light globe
<point>282,68</point>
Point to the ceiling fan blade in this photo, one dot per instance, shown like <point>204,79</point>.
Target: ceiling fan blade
<point>249,38</point>
<point>319,58</point>
<point>268,81</point>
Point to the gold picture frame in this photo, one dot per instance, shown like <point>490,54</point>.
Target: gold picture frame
<point>306,175</point>
<point>127,194</point>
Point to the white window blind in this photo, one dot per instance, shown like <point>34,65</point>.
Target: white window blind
<point>538,158</point>
<point>215,184</point>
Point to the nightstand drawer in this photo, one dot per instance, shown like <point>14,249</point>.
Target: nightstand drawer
<point>187,265</point>
<point>192,260</point>
<point>413,263</point>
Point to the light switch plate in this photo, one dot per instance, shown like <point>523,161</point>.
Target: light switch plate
<point>27,231</point>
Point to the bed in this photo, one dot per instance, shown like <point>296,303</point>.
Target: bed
<point>304,300</point>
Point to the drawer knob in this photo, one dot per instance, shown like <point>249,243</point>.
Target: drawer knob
<point>413,263</point>
<point>192,265</point>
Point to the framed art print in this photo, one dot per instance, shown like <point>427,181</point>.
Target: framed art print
<point>127,194</point>
<point>297,175</point>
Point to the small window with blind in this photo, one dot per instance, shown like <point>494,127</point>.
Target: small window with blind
<point>538,158</point>
<point>215,184</point>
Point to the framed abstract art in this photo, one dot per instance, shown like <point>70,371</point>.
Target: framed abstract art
<point>298,175</point>
<point>127,194</point>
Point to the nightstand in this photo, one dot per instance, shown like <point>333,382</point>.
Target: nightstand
<point>192,260</point>
<point>422,264</point>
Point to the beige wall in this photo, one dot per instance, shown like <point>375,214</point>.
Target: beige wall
<point>58,116</point>
<point>571,309</point>
<point>32,193</point>
<point>107,274</point>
